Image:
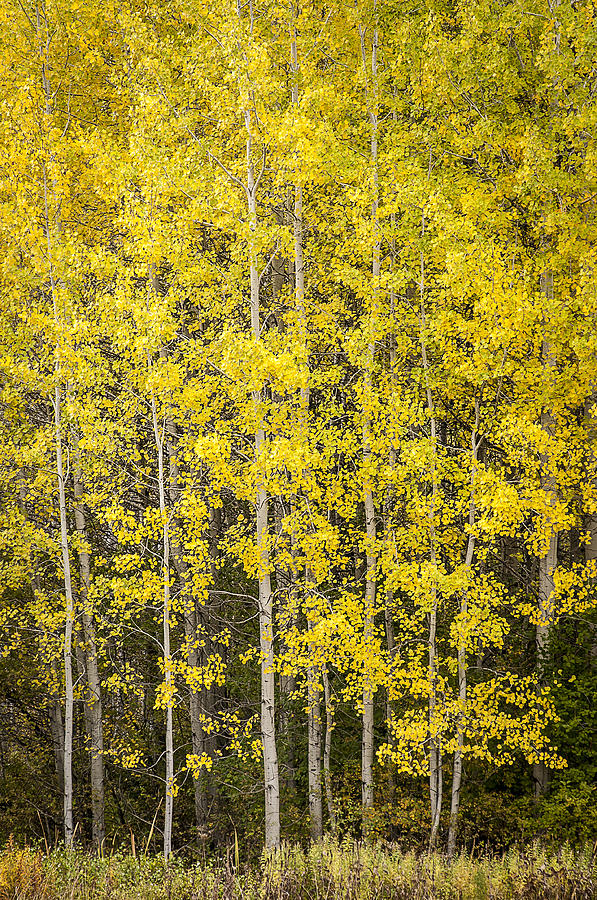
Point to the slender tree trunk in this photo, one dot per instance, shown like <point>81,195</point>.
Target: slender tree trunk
<point>435,752</point>
<point>57,406</point>
<point>461,653</point>
<point>590,548</point>
<point>313,688</point>
<point>286,587</point>
<point>367,743</point>
<point>266,616</point>
<point>327,749</point>
<point>314,755</point>
<point>285,577</point>
<point>367,746</point>
<point>93,699</point>
<point>457,766</point>
<point>435,747</point>
<point>547,563</point>
<point>391,646</point>
<point>314,736</point>
<point>68,591</point>
<point>204,625</point>
<point>268,727</point>
<point>168,674</point>
<point>392,459</point>
<point>547,566</point>
<point>68,629</point>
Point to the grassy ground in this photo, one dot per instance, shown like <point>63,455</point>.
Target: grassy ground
<point>324,872</point>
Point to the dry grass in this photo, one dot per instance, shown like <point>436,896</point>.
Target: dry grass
<point>323,872</point>
<point>23,875</point>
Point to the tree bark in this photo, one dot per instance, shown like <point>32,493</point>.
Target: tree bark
<point>265,602</point>
<point>314,736</point>
<point>392,459</point>
<point>590,548</point>
<point>435,746</point>
<point>327,751</point>
<point>68,630</point>
<point>367,742</point>
<point>461,653</point>
<point>367,746</point>
<point>313,687</point>
<point>548,562</point>
<point>435,752</point>
<point>57,408</point>
<point>168,675</point>
<point>314,755</point>
<point>286,586</point>
<point>93,698</point>
<point>391,647</point>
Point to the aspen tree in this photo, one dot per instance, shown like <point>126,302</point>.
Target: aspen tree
<point>93,698</point>
<point>266,623</point>
<point>313,681</point>
<point>547,562</point>
<point>462,645</point>
<point>327,750</point>
<point>286,587</point>
<point>590,522</point>
<point>70,607</point>
<point>372,99</point>
<point>160,438</point>
<point>266,618</point>
<point>435,746</point>
<point>51,227</point>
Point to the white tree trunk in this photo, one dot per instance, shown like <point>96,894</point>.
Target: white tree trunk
<point>327,751</point>
<point>286,586</point>
<point>265,602</point>
<point>57,406</point>
<point>435,752</point>
<point>168,675</point>
<point>367,742</point>
<point>313,689</point>
<point>590,548</point>
<point>461,653</point>
<point>93,699</point>
<point>391,646</point>
<point>314,756</point>
<point>549,562</point>
<point>435,744</point>
<point>68,629</point>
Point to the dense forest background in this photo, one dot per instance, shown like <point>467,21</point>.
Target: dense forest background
<point>298,474</point>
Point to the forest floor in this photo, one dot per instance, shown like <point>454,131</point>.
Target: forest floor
<point>324,872</point>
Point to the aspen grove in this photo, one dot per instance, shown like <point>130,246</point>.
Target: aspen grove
<point>298,365</point>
